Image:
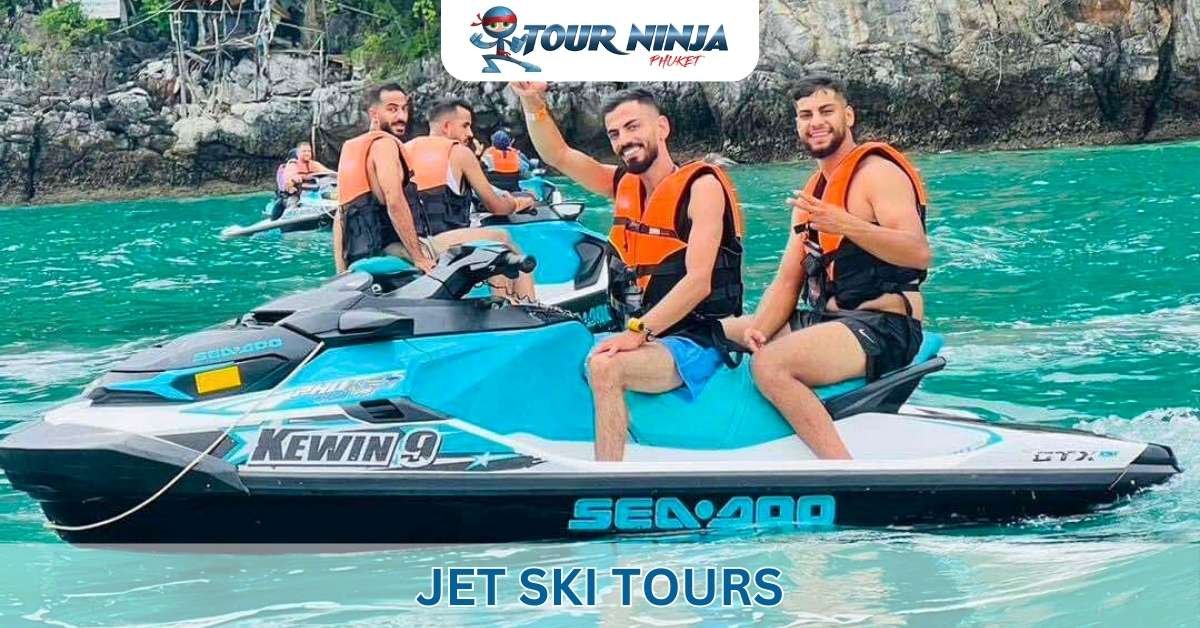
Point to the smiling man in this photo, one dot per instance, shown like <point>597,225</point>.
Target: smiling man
<point>375,218</point>
<point>855,261</point>
<point>677,230</point>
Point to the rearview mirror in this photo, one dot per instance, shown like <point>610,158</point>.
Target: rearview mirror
<point>359,325</point>
<point>569,210</point>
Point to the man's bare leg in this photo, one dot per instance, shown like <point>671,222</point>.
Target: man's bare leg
<point>521,288</point>
<point>787,368</point>
<point>396,249</point>
<point>649,368</point>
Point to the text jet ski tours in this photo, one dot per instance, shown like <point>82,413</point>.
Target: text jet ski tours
<point>389,406</point>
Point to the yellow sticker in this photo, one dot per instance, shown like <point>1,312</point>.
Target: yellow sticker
<point>218,380</point>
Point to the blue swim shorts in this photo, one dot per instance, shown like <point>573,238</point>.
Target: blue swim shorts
<point>694,362</point>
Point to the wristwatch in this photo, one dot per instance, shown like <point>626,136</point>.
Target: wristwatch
<point>636,326</point>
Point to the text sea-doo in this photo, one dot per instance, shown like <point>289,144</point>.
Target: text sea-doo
<point>389,408</point>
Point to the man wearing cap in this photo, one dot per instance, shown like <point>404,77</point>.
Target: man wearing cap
<point>505,165</point>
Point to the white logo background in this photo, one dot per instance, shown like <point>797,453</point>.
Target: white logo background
<point>464,61</point>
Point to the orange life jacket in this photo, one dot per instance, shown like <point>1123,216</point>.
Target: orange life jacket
<point>368,228</point>
<point>650,235</point>
<point>353,180</point>
<point>836,266</point>
<point>505,172</point>
<point>504,161</point>
<point>307,168</point>
<point>439,204</point>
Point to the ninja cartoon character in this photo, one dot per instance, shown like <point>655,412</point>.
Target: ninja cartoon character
<point>501,23</point>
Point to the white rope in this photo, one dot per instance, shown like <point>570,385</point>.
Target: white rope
<point>149,17</point>
<point>195,461</point>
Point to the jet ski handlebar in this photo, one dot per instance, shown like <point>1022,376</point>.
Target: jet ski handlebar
<point>519,263</point>
<point>463,267</point>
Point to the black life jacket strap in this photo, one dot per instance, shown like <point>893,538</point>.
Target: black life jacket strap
<point>638,227</point>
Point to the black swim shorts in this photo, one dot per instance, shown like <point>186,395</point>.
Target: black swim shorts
<point>890,341</point>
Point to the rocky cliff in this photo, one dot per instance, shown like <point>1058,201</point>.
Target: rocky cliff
<point>930,74</point>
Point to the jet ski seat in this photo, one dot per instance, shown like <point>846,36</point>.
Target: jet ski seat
<point>383,267</point>
<point>731,413</point>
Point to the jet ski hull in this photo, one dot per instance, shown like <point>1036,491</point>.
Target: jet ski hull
<point>307,221</point>
<point>531,498</point>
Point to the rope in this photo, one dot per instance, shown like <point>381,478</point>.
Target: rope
<point>150,16</point>
<point>195,461</point>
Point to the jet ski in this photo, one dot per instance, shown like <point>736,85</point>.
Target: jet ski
<point>395,408</point>
<point>542,189</point>
<point>312,208</point>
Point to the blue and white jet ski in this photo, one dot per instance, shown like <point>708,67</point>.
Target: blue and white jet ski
<point>391,407</point>
<point>314,206</point>
<point>311,208</point>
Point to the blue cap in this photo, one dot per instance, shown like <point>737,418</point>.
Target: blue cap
<point>501,139</point>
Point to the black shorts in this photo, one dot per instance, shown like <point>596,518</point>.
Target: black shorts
<point>890,341</point>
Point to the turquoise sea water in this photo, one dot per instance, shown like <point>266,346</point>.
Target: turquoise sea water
<point>1066,283</point>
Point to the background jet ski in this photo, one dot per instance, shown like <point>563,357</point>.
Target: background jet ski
<point>390,408</point>
<point>539,186</point>
<point>312,208</point>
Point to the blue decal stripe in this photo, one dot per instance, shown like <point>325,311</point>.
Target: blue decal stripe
<point>160,384</point>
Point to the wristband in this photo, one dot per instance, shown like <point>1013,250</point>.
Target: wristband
<point>539,114</point>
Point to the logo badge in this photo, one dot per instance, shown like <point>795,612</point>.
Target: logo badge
<point>283,447</point>
<point>669,40</point>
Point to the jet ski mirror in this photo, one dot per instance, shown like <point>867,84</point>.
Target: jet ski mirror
<point>360,325</point>
<point>568,210</point>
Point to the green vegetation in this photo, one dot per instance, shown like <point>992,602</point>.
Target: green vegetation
<point>398,33</point>
<point>390,35</point>
<point>160,23</point>
<point>66,27</point>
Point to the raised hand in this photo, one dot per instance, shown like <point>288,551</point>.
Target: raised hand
<point>529,89</point>
<point>820,215</point>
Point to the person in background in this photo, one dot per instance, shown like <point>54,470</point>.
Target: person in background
<point>445,172</point>
<point>505,165</point>
<point>283,198</point>
<point>302,168</point>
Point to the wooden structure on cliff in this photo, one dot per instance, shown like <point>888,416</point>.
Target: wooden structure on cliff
<point>215,39</point>
<point>211,37</point>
